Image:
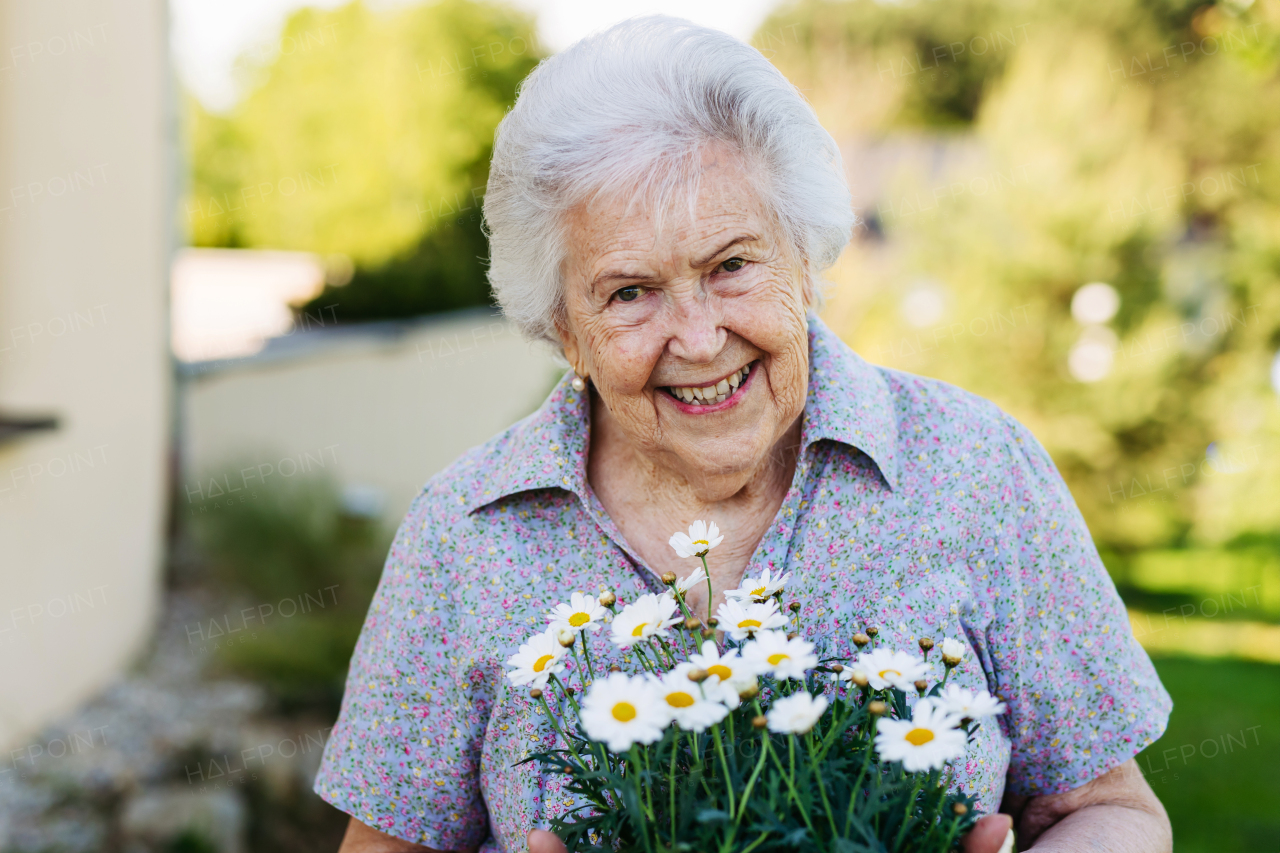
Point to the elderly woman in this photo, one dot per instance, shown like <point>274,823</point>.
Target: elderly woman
<point>661,205</point>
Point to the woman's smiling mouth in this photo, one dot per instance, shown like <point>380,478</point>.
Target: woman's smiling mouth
<point>712,395</point>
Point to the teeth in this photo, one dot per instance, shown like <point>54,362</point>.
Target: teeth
<point>711,394</point>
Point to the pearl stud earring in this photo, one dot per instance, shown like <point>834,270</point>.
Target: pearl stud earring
<point>578,383</point>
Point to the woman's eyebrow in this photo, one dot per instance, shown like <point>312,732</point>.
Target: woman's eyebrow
<point>612,275</point>
<point>706,259</point>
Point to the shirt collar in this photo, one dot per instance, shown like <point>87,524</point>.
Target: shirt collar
<point>849,402</point>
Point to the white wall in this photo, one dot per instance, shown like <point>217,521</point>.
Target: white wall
<point>85,208</point>
<point>368,407</point>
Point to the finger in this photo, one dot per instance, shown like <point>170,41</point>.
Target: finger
<point>988,835</point>
<point>541,841</point>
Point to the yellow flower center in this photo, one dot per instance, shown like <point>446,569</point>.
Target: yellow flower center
<point>885,672</point>
<point>919,737</point>
<point>624,712</point>
<point>638,630</point>
<point>759,592</point>
<point>541,662</point>
<point>778,658</point>
<point>721,670</point>
<point>701,542</point>
<point>577,620</point>
<point>679,700</point>
<point>749,623</point>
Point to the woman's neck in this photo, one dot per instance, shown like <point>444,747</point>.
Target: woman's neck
<point>649,498</point>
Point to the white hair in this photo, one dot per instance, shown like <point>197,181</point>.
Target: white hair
<point>630,109</point>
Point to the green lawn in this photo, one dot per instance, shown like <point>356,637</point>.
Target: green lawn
<point>1217,768</point>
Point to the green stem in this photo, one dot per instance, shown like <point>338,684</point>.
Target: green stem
<point>728,779</point>
<point>822,789</point>
<point>857,786</point>
<point>556,725</point>
<point>586,654</point>
<point>634,764</point>
<point>710,594</point>
<point>795,795</point>
<point>671,788</point>
<point>906,815</point>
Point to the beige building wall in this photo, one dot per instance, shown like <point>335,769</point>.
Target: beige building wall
<point>379,409</point>
<point>85,208</point>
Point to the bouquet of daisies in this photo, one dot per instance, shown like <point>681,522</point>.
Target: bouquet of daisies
<point>735,736</point>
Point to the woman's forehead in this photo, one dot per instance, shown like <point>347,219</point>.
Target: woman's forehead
<point>681,223</point>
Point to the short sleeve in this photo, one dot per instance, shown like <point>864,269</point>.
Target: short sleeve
<point>1083,696</point>
<point>404,756</point>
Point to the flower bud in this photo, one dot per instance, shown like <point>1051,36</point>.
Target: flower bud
<point>859,678</point>
<point>872,632</point>
<point>922,686</point>
<point>566,637</point>
<point>861,640</point>
<point>791,635</point>
<point>713,621</point>
<point>960,809</point>
<point>669,578</point>
<point>615,668</point>
<point>925,645</point>
<point>535,693</point>
<point>608,599</point>
<point>708,633</point>
<point>750,693</point>
<point>693,623</point>
<point>698,675</point>
<point>759,722</point>
<point>794,607</point>
<point>568,691</point>
<point>877,708</point>
<point>837,668</point>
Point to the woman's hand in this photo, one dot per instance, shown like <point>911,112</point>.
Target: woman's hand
<point>986,837</point>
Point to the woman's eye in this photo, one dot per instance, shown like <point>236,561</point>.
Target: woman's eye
<point>733,265</point>
<point>628,294</point>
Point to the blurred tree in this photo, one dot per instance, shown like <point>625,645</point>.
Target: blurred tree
<point>366,134</point>
<point>1135,143</point>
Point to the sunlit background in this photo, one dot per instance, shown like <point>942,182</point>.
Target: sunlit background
<point>243,318</point>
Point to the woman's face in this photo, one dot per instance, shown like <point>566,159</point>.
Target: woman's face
<point>695,338</point>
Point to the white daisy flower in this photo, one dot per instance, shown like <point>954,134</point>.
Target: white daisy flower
<point>701,538</point>
<point>886,668</point>
<point>687,704</point>
<point>537,659</point>
<point>772,652</point>
<point>727,675</point>
<point>846,674</point>
<point>796,714</point>
<point>697,576</point>
<point>619,711</point>
<point>582,613</point>
<point>925,742</point>
<point>759,589</point>
<point>969,704</point>
<point>647,616</point>
<point>744,620</point>
<point>952,651</point>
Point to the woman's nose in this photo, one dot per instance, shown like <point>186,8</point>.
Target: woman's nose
<point>696,334</point>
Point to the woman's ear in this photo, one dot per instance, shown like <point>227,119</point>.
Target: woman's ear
<point>572,351</point>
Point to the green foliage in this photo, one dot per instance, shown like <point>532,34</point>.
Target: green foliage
<point>1124,141</point>
<point>1214,769</point>
<point>292,543</point>
<point>758,791</point>
<point>366,134</point>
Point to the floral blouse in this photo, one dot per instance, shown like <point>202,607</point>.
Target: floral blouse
<point>915,507</point>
